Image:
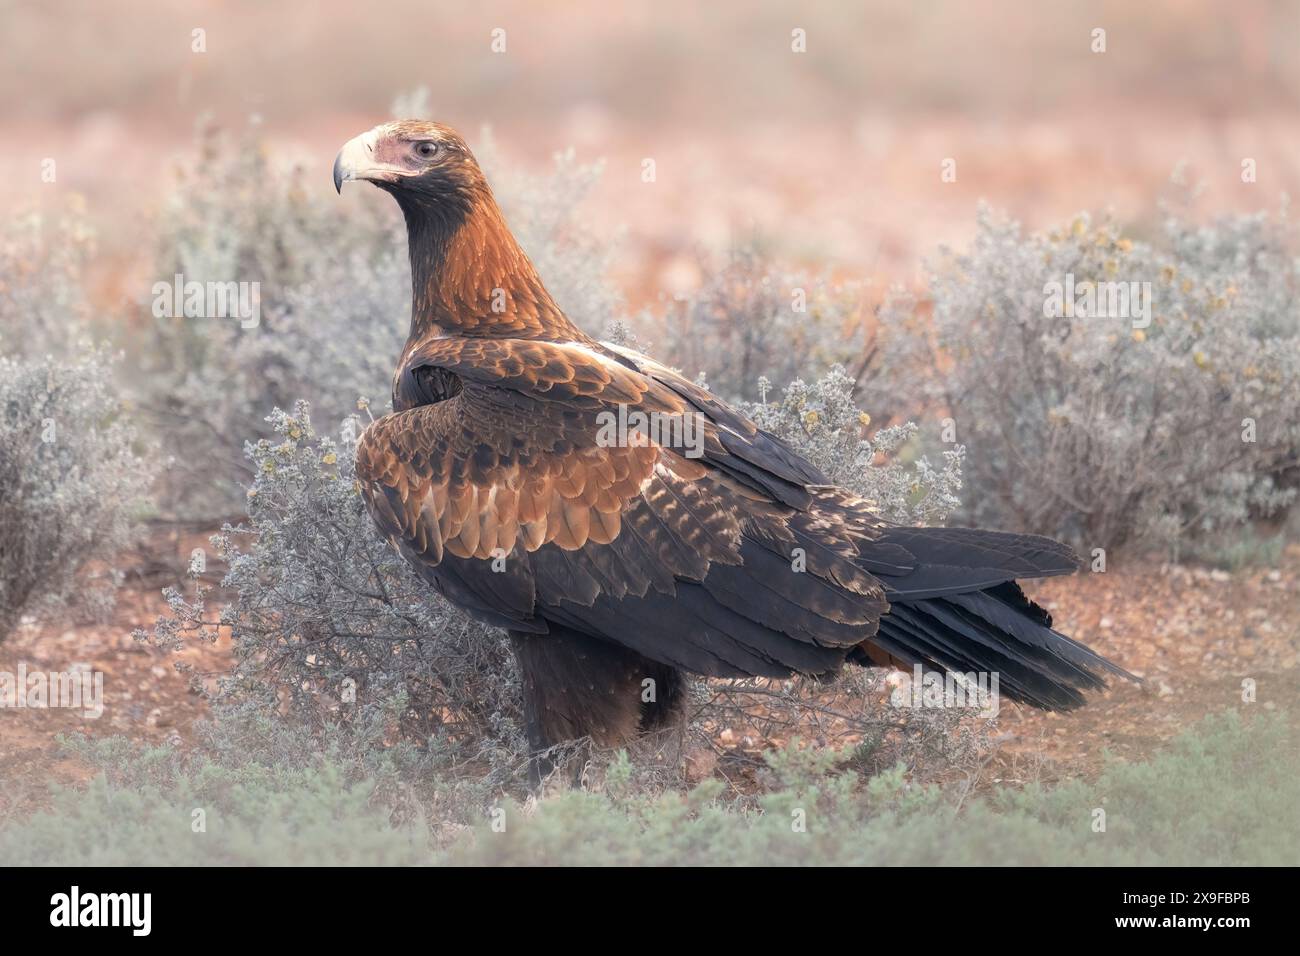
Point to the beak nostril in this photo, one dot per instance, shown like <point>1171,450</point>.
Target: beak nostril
<point>359,160</point>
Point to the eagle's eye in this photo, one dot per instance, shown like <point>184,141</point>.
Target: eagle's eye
<point>426,149</point>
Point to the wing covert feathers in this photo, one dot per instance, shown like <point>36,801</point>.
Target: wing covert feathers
<point>739,560</point>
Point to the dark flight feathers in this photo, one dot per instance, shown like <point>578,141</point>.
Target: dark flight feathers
<point>743,562</point>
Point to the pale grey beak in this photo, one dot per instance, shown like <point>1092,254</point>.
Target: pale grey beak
<point>356,160</point>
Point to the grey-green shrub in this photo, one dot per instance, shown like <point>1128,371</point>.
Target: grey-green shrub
<point>43,303</point>
<point>1094,429</point>
<point>751,319</point>
<point>333,287</point>
<point>822,421</point>
<point>329,625</point>
<point>71,483</point>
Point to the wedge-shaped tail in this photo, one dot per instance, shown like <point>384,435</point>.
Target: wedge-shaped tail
<point>955,606</point>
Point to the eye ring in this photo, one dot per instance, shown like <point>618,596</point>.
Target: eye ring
<point>426,149</point>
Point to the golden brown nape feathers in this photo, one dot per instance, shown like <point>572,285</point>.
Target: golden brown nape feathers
<point>469,274</point>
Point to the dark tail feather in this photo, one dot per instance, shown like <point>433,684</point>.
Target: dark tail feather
<point>959,609</point>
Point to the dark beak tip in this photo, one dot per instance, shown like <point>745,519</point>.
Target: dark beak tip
<point>338,174</point>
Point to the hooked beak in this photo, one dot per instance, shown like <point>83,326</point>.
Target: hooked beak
<point>356,160</point>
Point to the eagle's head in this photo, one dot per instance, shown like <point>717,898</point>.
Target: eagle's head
<point>424,165</point>
<point>462,252</point>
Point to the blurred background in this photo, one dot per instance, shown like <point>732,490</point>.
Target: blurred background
<point>833,154</point>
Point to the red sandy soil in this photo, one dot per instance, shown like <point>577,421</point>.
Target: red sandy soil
<point>1193,634</point>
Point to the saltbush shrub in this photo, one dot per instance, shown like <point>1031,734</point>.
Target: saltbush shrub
<point>822,421</point>
<point>329,625</point>
<point>752,320</point>
<point>72,484</point>
<point>43,257</point>
<point>332,286</point>
<point>1112,430</point>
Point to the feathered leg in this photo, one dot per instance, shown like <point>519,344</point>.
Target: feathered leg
<point>579,688</point>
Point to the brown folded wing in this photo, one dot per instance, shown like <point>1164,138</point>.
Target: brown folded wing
<point>506,498</point>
